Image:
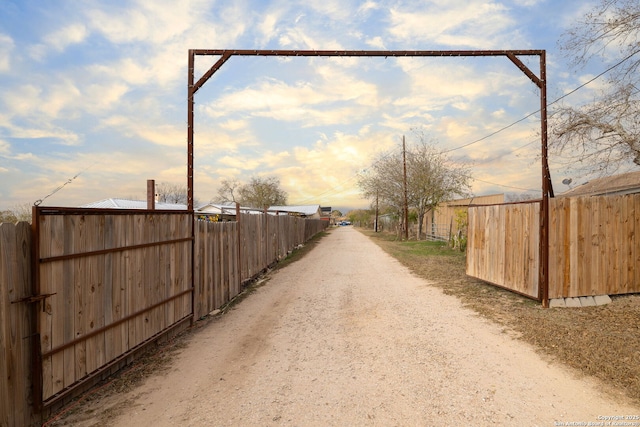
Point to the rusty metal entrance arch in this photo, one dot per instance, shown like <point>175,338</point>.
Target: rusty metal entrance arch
<point>539,80</point>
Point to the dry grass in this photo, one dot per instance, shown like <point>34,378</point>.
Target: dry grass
<point>602,342</point>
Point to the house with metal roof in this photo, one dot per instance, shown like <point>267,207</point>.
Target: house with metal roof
<point>133,204</point>
<point>626,183</point>
<point>306,211</point>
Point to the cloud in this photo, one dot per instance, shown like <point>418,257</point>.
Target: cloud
<point>268,26</point>
<point>245,163</point>
<point>58,41</point>
<point>475,24</point>
<point>167,135</point>
<point>104,97</point>
<point>43,112</point>
<point>61,97</point>
<point>241,163</point>
<point>234,125</point>
<point>331,96</point>
<point>7,46</point>
<point>156,35</point>
<point>4,147</point>
<point>270,159</point>
<point>368,6</point>
<point>162,22</point>
<point>312,174</point>
<point>72,34</point>
<point>376,43</point>
<point>336,10</point>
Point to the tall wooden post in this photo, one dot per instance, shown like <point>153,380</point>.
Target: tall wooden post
<point>151,194</point>
<point>239,237</point>
<point>406,203</point>
<point>376,224</point>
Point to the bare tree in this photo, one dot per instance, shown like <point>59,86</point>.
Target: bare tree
<point>171,193</point>
<point>262,193</point>
<point>228,191</point>
<point>16,214</point>
<point>383,182</point>
<point>603,135</point>
<point>431,179</point>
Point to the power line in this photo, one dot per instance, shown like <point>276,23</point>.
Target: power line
<point>551,103</point>
<point>503,185</point>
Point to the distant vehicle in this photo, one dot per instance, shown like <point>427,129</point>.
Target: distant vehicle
<point>345,223</point>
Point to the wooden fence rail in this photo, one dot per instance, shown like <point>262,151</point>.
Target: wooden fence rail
<point>106,283</point>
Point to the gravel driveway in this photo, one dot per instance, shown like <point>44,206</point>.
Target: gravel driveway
<point>347,336</point>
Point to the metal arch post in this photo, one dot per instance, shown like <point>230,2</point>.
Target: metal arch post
<point>190,106</point>
<point>547,186</point>
<point>547,190</point>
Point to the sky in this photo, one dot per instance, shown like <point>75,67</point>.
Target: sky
<point>93,94</point>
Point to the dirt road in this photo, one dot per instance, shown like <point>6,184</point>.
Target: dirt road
<point>347,336</point>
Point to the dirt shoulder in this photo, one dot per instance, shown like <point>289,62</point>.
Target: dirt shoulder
<point>348,335</point>
<point>601,342</point>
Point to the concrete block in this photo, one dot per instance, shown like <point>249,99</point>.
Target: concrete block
<point>587,301</point>
<point>557,302</point>
<point>572,302</point>
<point>602,299</point>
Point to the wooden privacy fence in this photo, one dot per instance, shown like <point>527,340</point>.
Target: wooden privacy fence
<point>228,254</point>
<point>594,246</point>
<point>110,281</point>
<point>82,290</point>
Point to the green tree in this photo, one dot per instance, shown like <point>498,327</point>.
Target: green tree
<point>361,217</point>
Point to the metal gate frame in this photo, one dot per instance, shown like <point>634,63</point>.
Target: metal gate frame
<point>540,81</point>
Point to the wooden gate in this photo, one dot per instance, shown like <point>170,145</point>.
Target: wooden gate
<point>109,281</point>
<point>503,246</point>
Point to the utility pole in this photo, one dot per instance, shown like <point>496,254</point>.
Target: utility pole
<point>376,224</point>
<point>406,206</point>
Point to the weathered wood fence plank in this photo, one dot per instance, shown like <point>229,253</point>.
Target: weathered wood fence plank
<point>16,326</point>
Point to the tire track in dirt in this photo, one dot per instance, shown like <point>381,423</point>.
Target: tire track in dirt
<point>347,336</point>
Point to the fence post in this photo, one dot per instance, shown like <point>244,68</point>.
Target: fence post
<point>18,404</point>
<point>239,242</point>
